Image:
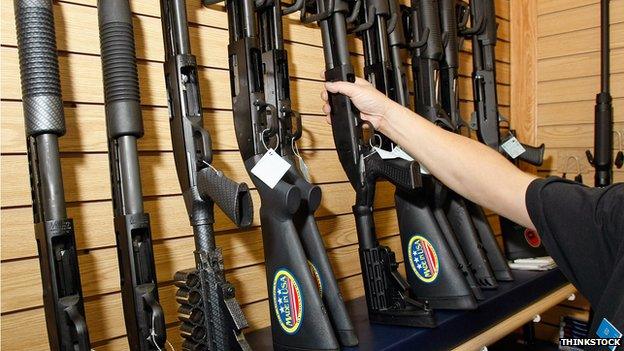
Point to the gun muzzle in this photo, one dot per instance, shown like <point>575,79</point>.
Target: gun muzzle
<point>233,199</point>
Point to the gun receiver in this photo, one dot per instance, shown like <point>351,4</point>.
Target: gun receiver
<point>211,317</point>
<point>387,294</point>
<point>486,118</point>
<point>45,122</point>
<point>143,315</point>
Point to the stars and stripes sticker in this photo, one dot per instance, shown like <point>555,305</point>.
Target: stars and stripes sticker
<point>423,259</point>
<point>287,301</point>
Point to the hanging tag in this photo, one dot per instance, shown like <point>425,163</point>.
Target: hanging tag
<point>303,168</point>
<point>271,168</point>
<point>385,155</point>
<point>401,154</point>
<point>513,148</point>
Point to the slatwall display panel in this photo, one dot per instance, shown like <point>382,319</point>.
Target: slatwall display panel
<point>568,79</point>
<point>85,169</point>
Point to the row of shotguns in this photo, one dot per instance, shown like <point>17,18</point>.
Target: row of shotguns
<point>450,251</point>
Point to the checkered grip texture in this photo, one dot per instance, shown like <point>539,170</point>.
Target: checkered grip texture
<point>39,70</point>
<point>233,198</point>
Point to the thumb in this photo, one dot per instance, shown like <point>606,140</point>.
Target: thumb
<point>341,87</point>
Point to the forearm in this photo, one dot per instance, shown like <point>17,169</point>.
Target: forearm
<point>470,168</point>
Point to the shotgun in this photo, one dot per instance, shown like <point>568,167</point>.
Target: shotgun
<point>306,308</point>
<point>211,317</point>
<point>450,20</point>
<point>381,29</point>
<point>486,118</point>
<point>44,118</point>
<point>143,315</point>
<point>387,292</point>
<point>449,208</point>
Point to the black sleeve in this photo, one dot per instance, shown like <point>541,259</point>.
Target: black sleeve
<point>582,228</point>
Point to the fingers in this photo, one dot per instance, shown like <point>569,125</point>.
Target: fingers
<point>326,109</point>
<point>324,95</point>
<point>344,88</point>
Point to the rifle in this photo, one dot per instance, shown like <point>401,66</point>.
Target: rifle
<point>381,30</point>
<point>45,122</point>
<point>143,315</point>
<point>449,207</point>
<point>211,317</point>
<point>449,73</point>
<point>603,113</point>
<point>306,308</point>
<point>387,292</point>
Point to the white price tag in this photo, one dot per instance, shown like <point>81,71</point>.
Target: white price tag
<point>513,148</point>
<point>271,168</point>
<point>401,154</point>
<point>386,155</point>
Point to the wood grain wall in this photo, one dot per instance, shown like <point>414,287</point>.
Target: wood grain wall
<point>85,169</point>
<point>568,78</point>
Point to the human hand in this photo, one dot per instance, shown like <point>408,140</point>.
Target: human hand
<point>372,104</point>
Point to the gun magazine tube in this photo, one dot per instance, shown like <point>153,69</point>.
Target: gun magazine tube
<point>45,123</point>
<point>143,315</point>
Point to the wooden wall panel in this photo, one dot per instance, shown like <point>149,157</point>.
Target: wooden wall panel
<point>568,80</point>
<point>85,168</point>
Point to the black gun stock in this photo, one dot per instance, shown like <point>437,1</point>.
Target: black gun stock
<point>449,208</point>
<point>299,277</point>
<point>211,317</point>
<point>386,290</point>
<point>45,122</point>
<point>444,286</point>
<point>143,315</point>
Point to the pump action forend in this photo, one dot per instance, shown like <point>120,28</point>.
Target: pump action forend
<point>306,308</point>
<point>211,317</point>
<point>449,96</point>
<point>45,123</point>
<point>486,118</point>
<point>387,292</point>
<point>143,315</point>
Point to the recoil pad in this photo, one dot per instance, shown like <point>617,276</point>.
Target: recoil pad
<point>39,69</point>
<point>121,80</point>
<point>533,155</point>
<point>234,199</point>
<point>402,173</point>
<point>448,24</point>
